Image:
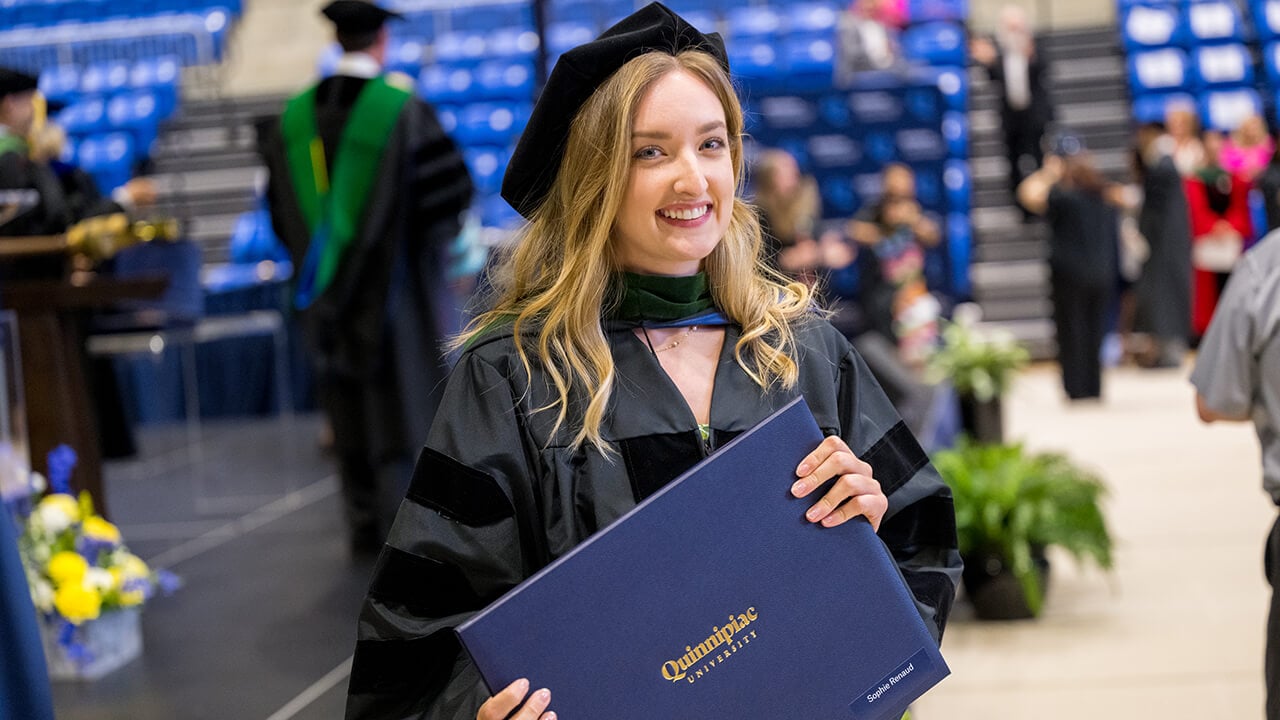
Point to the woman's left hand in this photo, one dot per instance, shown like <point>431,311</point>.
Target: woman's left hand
<point>854,493</point>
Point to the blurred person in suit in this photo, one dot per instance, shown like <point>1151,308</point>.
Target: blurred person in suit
<point>1237,379</point>
<point>367,191</point>
<point>1013,62</point>
<point>1084,246</point>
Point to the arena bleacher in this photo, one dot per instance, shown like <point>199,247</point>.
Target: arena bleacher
<point>1207,54</point>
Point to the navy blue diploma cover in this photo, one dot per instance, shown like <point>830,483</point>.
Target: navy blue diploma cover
<point>715,598</point>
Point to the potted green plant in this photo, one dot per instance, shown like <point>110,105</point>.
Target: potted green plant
<point>980,367</point>
<point>1010,506</point>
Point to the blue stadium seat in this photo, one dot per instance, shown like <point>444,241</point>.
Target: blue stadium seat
<point>811,18</point>
<point>85,117</point>
<point>564,36</point>
<point>447,83</point>
<point>953,83</point>
<point>833,151</point>
<point>405,56</point>
<point>809,56</point>
<point>486,164</point>
<point>1151,26</point>
<point>959,186</point>
<point>495,123</point>
<point>1224,109</point>
<point>959,234</point>
<point>1271,63</point>
<point>503,80</point>
<point>931,191</point>
<point>448,117</point>
<point>512,43</point>
<point>1153,108</point>
<point>1266,19</point>
<point>837,192</point>
<point>60,83</point>
<point>478,18</point>
<point>935,43</point>
<point>572,11</point>
<point>753,23</point>
<point>160,75</point>
<point>695,7</point>
<point>927,10</point>
<point>138,113</point>
<point>108,158</point>
<point>105,79</point>
<point>1161,70</point>
<point>917,145</point>
<point>1219,65</point>
<point>461,47</point>
<point>756,63</point>
<point>1213,21</point>
<point>704,21</point>
<point>955,128</point>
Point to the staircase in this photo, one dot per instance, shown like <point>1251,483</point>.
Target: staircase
<point>1009,272</point>
<point>206,167</point>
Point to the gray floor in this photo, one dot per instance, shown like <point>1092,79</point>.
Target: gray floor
<point>266,618</point>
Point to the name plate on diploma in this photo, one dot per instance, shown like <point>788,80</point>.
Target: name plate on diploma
<point>715,598</point>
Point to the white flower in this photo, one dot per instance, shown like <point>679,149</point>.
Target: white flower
<point>42,595</point>
<point>99,579</point>
<point>38,483</point>
<point>54,517</point>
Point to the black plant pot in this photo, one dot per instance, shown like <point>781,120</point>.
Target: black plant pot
<point>982,420</point>
<point>993,590</point>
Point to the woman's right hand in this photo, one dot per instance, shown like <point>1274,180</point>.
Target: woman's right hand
<point>500,706</point>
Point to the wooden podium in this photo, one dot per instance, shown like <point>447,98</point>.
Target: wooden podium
<point>51,336</point>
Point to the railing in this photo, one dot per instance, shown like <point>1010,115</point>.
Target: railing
<point>87,43</point>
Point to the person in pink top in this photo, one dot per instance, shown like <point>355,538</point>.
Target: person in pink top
<point>1249,148</point>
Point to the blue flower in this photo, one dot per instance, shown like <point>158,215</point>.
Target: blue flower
<point>62,460</point>
<point>168,581</point>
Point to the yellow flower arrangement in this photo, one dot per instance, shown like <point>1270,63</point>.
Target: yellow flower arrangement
<point>76,562</point>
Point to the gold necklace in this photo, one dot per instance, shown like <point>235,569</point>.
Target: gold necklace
<point>676,342</point>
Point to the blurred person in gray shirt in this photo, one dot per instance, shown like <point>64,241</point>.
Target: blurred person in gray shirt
<point>1237,378</point>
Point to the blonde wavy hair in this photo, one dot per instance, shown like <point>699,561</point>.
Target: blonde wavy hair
<point>551,286</point>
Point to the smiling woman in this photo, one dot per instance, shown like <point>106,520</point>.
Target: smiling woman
<point>679,194</point>
<point>635,328</point>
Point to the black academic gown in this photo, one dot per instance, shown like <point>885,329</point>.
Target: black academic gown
<point>49,216</point>
<point>375,334</point>
<point>496,495</point>
<point>1163,291</point>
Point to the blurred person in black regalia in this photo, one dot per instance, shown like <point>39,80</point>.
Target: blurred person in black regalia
<point>637,285</point>
<point>37,199</point>
<point>366,191</point>
<point>31,199</point>
<point>1162,292</point>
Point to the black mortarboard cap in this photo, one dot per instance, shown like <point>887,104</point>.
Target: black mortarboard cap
<point>15,81</point>
<point>536,159</point>
<point>356,17</point>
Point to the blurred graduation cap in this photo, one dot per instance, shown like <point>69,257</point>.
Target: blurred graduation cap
<point>356,17</point>
<point>577,74</point>
<point>16,81</point>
